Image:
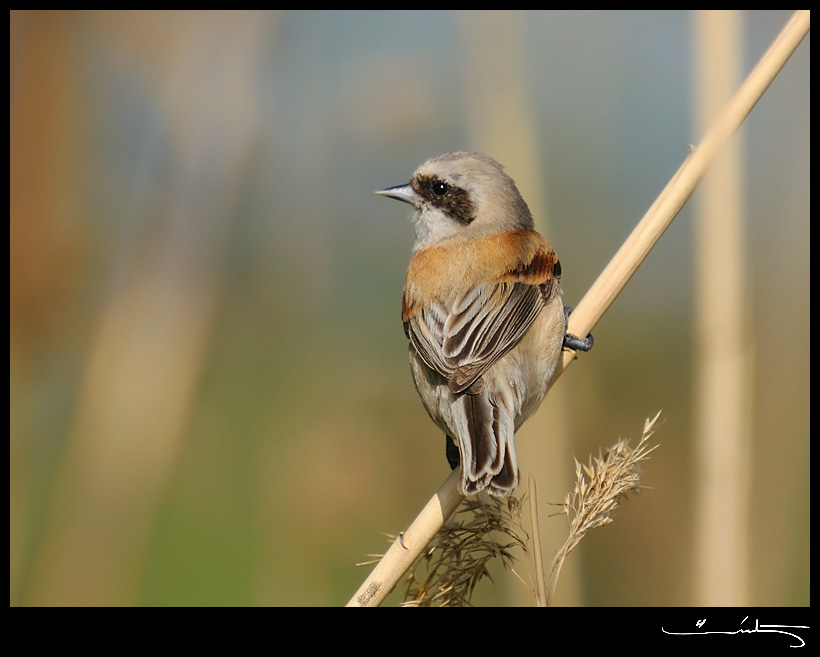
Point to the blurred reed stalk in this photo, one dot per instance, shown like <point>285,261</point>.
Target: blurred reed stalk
<point>410,544</point>
<point>151,335</point>
<point>722,381</point>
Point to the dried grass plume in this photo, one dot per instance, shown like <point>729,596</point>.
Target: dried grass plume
<point>600,487</point>
<point>487,528</point>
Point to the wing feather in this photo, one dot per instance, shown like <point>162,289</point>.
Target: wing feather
<point>465,330</point>
<point>463,341</point>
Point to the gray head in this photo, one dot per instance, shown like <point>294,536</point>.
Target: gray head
<point>462,194</point>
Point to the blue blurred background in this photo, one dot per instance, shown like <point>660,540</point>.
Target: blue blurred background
<point>210,402</point>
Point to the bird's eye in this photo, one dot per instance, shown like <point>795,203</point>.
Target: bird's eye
<point>440,188</point>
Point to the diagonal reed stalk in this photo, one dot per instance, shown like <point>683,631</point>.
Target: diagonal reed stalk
<point>410,544</point>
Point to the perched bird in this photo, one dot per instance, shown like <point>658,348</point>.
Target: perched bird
<point>482,309</point>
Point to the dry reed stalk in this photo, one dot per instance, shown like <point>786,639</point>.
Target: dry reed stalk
<point>411,543</point>
<point>722,368</point>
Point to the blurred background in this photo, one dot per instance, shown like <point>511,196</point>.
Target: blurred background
<point>210,401</point>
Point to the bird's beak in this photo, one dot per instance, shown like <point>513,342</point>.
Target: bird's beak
<point>401,193</point>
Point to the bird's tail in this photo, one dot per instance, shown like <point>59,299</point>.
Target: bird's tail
<point>486,443</point>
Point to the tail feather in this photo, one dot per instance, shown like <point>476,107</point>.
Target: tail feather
<point>485,431</point>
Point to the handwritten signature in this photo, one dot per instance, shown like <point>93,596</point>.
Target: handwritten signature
<point>758,628</point>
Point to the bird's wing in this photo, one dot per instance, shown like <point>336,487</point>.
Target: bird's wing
<point>462,340</point>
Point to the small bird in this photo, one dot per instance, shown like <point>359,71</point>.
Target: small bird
<point>483,311</point>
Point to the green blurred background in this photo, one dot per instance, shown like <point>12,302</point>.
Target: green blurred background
<point>210,402</point>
